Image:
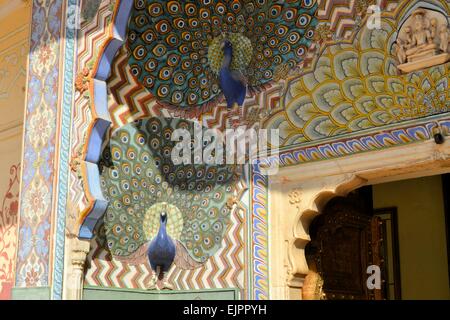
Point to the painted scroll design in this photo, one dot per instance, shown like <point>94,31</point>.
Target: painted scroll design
<point>8,232</point>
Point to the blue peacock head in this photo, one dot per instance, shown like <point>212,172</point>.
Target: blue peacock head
<point>226,45</point>
<point>163,218</point>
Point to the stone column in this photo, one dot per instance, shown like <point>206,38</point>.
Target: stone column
<point>75,263</point>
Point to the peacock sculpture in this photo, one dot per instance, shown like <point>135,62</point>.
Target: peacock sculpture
<point>161,251</point>
<point>159,212</point>
<point>231,82</point>
<point>188,53</point>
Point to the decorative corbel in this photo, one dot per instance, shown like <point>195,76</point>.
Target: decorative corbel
<point>74,278</point>
<point>83,80</point>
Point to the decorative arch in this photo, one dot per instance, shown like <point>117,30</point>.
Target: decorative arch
<point>300,192</point>
<point>101,122</point>
<point>334,187</point>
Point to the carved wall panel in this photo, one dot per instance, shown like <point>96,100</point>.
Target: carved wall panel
<point>306,111</point>
<point>423,41</point>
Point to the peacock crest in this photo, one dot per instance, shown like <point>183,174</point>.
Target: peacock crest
<point>175,220</point>
<point>242,52</point>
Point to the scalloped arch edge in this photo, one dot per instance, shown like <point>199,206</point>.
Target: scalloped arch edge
<point>101,122</point>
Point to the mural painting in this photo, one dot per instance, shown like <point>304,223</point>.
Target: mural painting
<point>113,86</point>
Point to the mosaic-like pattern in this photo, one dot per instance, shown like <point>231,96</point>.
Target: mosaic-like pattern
<point>259,242</point>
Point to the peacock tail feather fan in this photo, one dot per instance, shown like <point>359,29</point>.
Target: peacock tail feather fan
<point>174,44</point>
<point>139,179</point>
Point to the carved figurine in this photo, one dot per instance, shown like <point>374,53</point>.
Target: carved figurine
<point>444,37</point>
<point>408,41</point>
<point>423,41</point>
<point>433,28</point>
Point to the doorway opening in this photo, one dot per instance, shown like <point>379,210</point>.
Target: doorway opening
<point>398,228</point>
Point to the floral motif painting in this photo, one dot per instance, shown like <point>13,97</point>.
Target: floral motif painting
<point>40,138</point>
<point>8,232</point>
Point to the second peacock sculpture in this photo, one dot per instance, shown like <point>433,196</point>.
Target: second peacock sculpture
<point>161,214</point>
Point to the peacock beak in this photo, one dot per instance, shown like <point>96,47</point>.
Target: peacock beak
<point>163,216</point>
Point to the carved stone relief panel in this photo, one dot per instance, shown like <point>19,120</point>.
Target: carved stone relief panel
<point>423,41</point>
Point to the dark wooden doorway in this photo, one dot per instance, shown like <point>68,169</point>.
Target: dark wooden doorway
<point>345,240</point>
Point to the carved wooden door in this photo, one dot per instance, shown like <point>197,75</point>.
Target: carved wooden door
<point>344,242</point>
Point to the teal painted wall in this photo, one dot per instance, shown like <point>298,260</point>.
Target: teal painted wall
<point>98,293</point>
<point>421,231</point>
<point>42,293</point>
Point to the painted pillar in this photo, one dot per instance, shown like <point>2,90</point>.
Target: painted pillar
<point>44,177</point>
